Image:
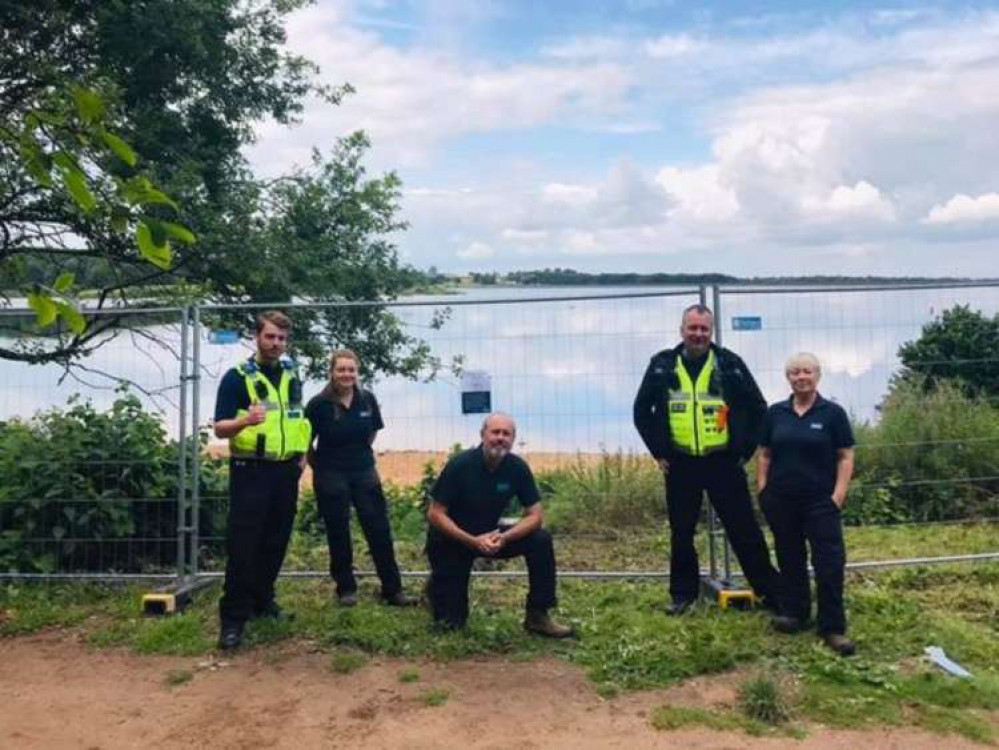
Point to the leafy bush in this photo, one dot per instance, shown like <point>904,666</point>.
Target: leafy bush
<point>82,490</point>
<point>931,457</point>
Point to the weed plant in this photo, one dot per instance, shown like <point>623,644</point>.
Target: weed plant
<point>762,699</point>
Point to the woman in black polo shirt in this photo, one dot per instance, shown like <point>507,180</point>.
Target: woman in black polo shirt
<point>805,465</point>
<point>345,419</point>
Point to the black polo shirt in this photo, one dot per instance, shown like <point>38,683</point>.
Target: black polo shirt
<point>232,394</point>
<point>803,449</point>
<point>477,498</point>
<point>343,436</point>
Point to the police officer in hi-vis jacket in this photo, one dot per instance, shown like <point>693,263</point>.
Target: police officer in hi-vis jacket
<point>259,410</point>
<point>698,411</point>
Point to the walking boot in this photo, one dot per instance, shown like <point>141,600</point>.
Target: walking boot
<point>399,599</point>
<point>789,625</point>
<point>840,644</point>
<point>231,636</point>
<point>540,622</point>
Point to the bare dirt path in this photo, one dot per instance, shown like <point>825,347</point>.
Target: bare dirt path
<point>58,693</point>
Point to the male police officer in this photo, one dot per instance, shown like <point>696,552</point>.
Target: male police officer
<point>466,504</point>
<point>259,410</point>
<point>699,410</point>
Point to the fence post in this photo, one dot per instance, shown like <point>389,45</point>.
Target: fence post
<point>182,453</point>
<point>717,306</point>
<point>195,379</point>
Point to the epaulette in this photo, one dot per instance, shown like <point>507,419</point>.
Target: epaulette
<point>249,367</point>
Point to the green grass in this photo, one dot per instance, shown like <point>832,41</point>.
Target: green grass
<point>347,661</point>
<point>409,675</point>
<point>762,698</point>
<point>435,697</point>
<point>668,718</point>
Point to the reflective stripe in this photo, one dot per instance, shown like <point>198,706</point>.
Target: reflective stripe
<point>284,433</point>
<point>704,428</point>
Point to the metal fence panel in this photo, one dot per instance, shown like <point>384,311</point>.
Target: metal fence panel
<point>93,469</point>
<point>566,365</point>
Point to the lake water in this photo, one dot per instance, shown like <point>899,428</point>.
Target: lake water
<point>566,368</point>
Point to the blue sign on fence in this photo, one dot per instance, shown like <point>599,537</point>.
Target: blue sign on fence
<point>222,336</point>
<point>747,323</point>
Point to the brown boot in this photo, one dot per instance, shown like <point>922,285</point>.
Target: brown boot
<point>840,644</point>
<point>540,622</point>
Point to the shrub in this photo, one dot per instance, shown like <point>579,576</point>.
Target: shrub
<point>83,490</point>
<point>930,458</point>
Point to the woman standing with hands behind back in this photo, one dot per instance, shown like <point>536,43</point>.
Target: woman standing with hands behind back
<point>805,465</point>
<point>345,419</point>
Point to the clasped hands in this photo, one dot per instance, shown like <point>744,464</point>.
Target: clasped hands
<point>489,544</point>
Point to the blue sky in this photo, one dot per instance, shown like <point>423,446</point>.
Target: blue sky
<point>754,138</point>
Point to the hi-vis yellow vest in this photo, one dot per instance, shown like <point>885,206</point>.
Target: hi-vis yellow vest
<point>698,420</point>
<point>285,432</point>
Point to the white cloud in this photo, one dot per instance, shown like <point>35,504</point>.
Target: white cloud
<point>558,193</point>
<point>964,209</point>
<point>477,251</point>
<point>527,236</point>
<point>672,46</point>
<point>698,193</point>
<point>862,201</point>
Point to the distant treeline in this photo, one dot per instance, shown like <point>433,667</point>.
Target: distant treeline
<point>569,277</point>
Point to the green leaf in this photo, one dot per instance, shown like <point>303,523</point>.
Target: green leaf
<point>45,309</point>
<point>74,319</point>
<point>64,282</point>
<point>76,184</point>
<point>158,255</point>
<point>179,232</point>
<point>140,190</point>
<point>163,230</point>
<point>120,217</point>
<point>156,231</point>
<point>65,161</point>
<point>121,149</point>
<point>89,105</point>
<point>36,161</point>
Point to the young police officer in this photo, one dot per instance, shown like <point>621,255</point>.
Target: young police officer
<point>259,410</point>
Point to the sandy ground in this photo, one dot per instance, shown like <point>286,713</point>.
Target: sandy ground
<point>406,467</point>
<point>57,693</point>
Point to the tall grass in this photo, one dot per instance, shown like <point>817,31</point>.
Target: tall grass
<point>621,490</point>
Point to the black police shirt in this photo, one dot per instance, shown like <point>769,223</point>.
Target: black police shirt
<point>343,436</point>
<point>477,498</point>
<point>803,449</point>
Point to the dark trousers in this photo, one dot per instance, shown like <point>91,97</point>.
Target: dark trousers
<point>335,492</point>
<point>451,569</point>
<point>721,476</point>
<point>263,497</point>
<point>813,519</point>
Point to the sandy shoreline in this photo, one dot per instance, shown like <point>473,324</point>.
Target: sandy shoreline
<point>406,467</point>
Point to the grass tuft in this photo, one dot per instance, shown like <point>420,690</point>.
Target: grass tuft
<point>345,662</point>
<point>762,698</point>
<point>435,697</point>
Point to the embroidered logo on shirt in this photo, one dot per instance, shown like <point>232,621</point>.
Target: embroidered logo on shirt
<point>816,425</point>
<point>502,486</point>
<point>365,414</point>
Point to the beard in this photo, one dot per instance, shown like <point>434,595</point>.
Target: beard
<point>496,453</point>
